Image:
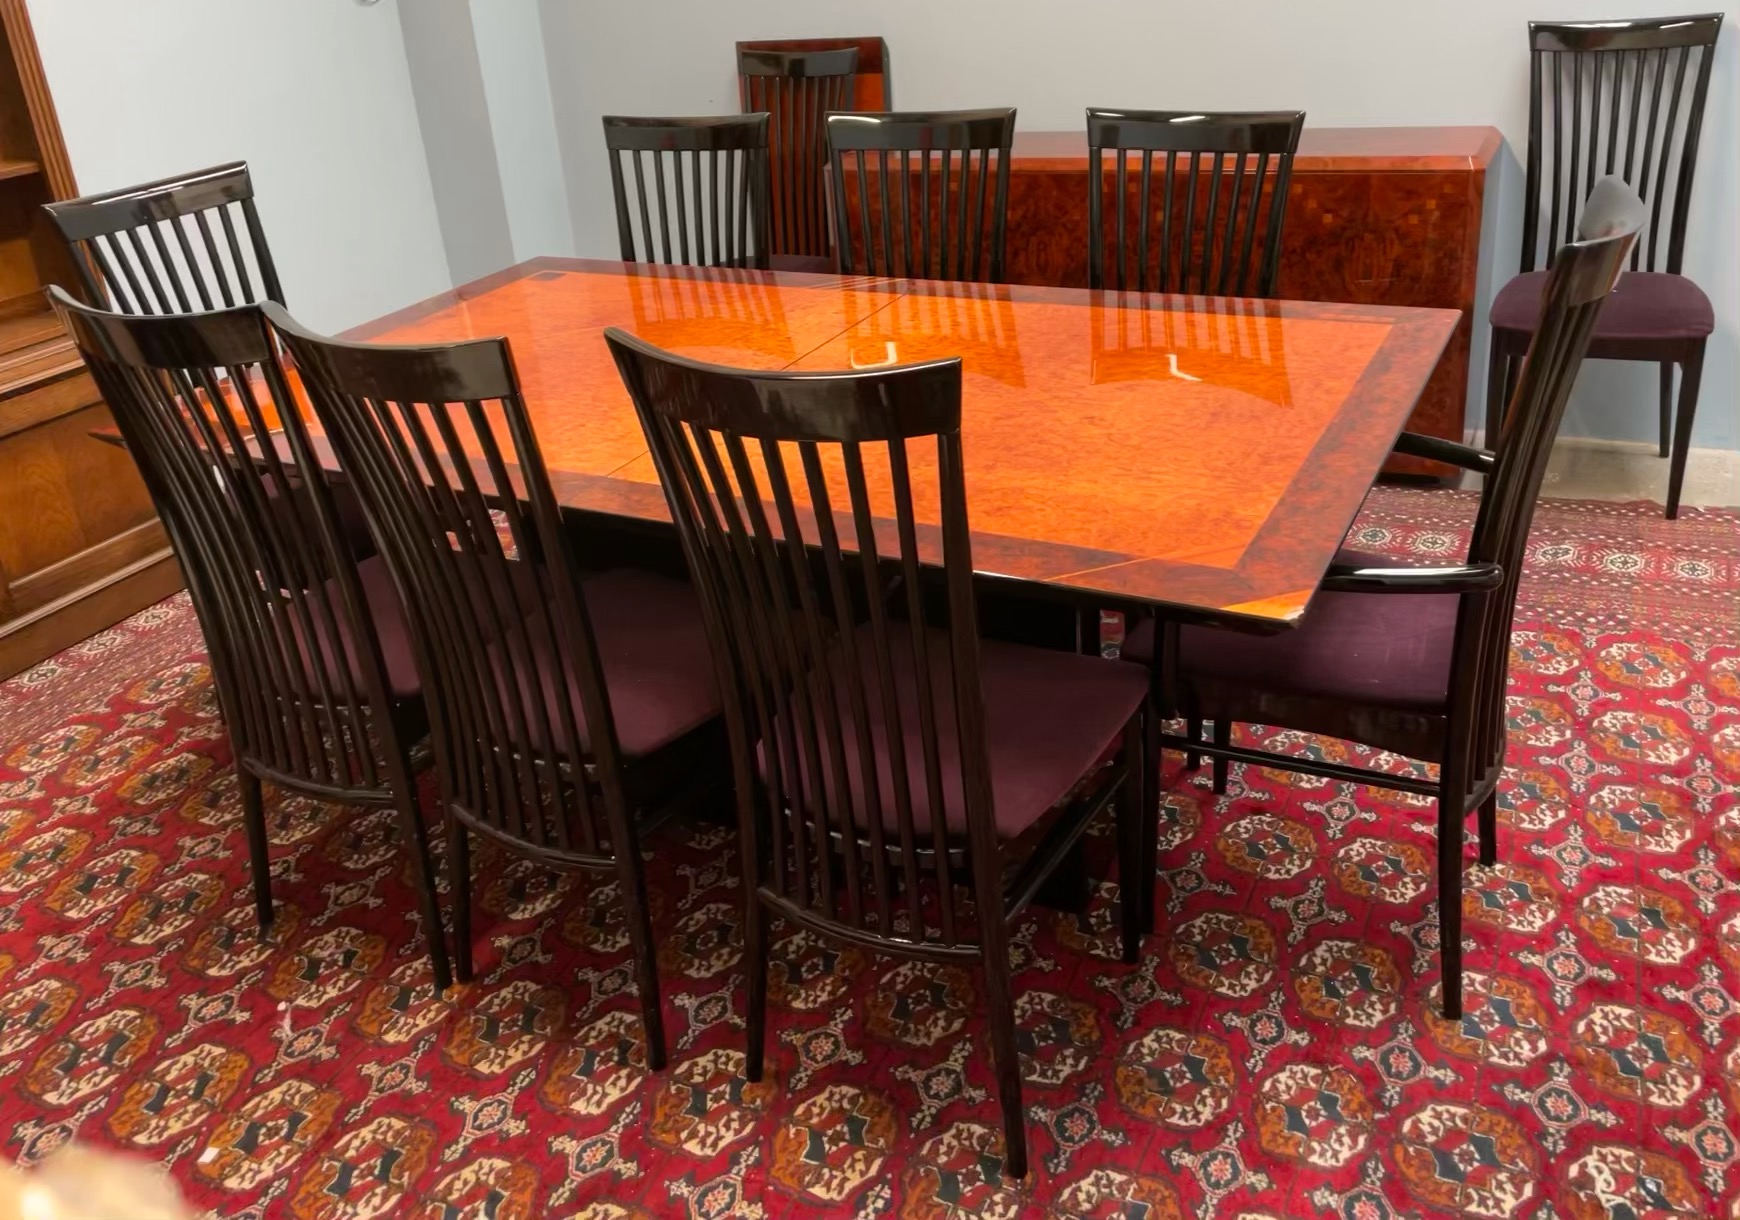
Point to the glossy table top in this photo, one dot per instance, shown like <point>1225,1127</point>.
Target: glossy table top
<point>1202,454</point>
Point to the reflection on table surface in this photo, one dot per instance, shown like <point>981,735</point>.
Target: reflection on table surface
<point>1202,451</point>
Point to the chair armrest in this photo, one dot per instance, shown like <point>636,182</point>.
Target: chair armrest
<point>1437,449</point>
<point>1460,578</point>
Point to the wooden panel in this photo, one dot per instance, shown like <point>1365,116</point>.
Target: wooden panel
<point>48,401</point>
<point>29,638</point>
<point>26,262</point>
<point>17,135</point>
<point>50,144</point>
<point>79,544</point>
<point>1287,410</point>
<point>89,567</point>
<point>62,492</point>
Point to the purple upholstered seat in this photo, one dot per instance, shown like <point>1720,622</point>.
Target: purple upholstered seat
<point>1049,719</point>
<point>650,636</point>
<point>658,667</point>
<point>1645,305</point>
<point>811,264</point>
<point>1383,649</point>
<point>390,629</point>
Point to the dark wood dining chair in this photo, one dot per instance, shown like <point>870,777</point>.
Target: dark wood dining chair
<point>709,175</point>
<point>187,243</point>
<point>1233,250</point>
<point>797,88</point>
<point>895,788</point>
<point>873,79</point>
<point>191,242</point>
<point>308,647</point>
<point>1623,98</point>
<point>561,706</point>
<point>1415,660</point>
<point>929,192</point>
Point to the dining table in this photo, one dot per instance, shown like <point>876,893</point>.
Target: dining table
<point>1198,457</point>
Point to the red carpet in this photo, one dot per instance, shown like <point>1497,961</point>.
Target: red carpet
<point>1275,1053</point>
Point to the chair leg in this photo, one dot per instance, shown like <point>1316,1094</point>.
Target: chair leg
<point>1006,1059</point>
<point>1489,831</point>
<point>632,882</point>
<point>417,839</point>
<point>1133,886</point>
<point>755,953</point>
<point>1691,373</point>
<point>1150,812</point>
<point>1667,405</point>
<point>1222,766</point>
<point>1512,375</point>
<point>1497,378</point>
<point>1450,832</point>
<point>459,892</point>
<point>254,825</point>
<point>1193,730</point>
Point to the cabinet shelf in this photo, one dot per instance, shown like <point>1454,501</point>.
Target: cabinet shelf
<point>12,167</point>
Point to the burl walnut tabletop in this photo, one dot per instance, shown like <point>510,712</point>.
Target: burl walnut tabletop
<point>1204,455</point>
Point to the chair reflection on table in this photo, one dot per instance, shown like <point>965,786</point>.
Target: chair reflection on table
<point>1225,342</point>
<point>742,309</point>
<point>973,321</point>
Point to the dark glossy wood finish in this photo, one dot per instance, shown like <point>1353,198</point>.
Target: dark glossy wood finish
<point>191,242</point>
<point>1375,215</point>
<point>1198,244</point>
<point>796,89</point>
<point>873,78</point>
<point>437,441</point>
<point>1616,97</point>
<point>279,600</point>
<point>800,499</point>
<point>928,193</point>
<point>708,175</point>
<point>1467,739</point>
<point>1291,408</point>
<point>1624,98</point>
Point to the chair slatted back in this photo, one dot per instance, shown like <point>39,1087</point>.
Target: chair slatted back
<point>1619,98</point>
<point>929,192</point>
<point>438,445</point>
<point>1230,251</point>
<point>797,88</point>
<point>278,608</point>
<point>825,654</point>
<point>708,175</point>
<point>1582,276</point>
<point>192,242</point>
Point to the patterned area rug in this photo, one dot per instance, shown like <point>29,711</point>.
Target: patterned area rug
<point>1275,1053</point>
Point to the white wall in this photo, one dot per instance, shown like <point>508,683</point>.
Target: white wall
<point>314,94</point>
<point>458,142</point>
<point>510,48</point>
<point>1346,62</point>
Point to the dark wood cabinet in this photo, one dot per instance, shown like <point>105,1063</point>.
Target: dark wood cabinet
<point>80,547</point>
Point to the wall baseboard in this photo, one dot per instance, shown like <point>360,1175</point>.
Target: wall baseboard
<point>1595,468</point>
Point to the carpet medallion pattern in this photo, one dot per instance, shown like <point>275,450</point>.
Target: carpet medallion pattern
<point>1276,1052</point>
